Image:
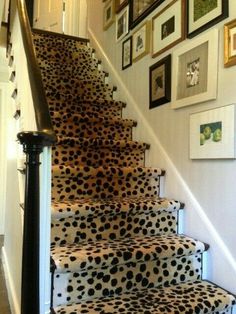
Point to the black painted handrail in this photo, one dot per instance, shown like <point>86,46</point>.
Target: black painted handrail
<point>42,115</point>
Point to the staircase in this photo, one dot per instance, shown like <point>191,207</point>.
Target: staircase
<point>115,245</point>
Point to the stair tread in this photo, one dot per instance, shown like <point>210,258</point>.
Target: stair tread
<point>105,253</point>
<point>101,143</point>
<point>91,118</point>
<point>184,298</point>
<point>88,171</point>
<point>96,207</point>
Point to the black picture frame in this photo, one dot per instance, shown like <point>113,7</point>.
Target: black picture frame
<point>135,19</point>
<point>127,53</point>
<point>160,82</point>
<point>206,23</point>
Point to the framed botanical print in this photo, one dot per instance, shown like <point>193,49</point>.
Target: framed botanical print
<point>122,23</point>
<point>127,53</point>
<point>160,82</point>
<point>108,14</point>
<point>195,68</point>
<point>141,41</point>
<point>168,27</point>
<point>139,9</point>
<point>202,14</point>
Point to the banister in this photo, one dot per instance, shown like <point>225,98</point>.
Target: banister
<point>42,115</point>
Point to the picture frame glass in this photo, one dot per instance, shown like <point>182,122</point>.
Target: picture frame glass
<point>122,24</point>
<point>158,83</point>
<point>193,74</point>
<point>212,133</point>
<point>167,27</point>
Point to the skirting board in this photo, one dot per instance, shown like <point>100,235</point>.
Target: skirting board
<point>14,302</point>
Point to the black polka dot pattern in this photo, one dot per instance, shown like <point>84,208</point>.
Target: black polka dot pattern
<point>114,240</point>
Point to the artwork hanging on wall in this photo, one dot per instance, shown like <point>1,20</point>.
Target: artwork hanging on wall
<point>141,41</point>
<point>120,4</point>
<point>108,14</point>
<point>139,9</point>
<point>230,44</point>
<point>212,133</point>
<point>160,82</point>
<point>168,27</point>
<point>195,69</point>
<point>202,14</point>
<point>122,23</point>
<point>127,53</point>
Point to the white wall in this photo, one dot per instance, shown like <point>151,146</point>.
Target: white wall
<point>207,187</point>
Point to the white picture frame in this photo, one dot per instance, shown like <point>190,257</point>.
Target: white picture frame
<point>195,70</point>
<point>212,133</point>
<point>122,23</point>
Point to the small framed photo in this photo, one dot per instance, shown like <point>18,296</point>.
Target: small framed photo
<point>108,14</point>
<point>212,133</point>
<point>141,41</point>
<point>139,9</point>
<point>168,27</point>
<point>160,82</point>
<point>122,23</point>
<point>195,68</point>
<point>127,53</point>
<point>203,14</point>
<point>230,44</point>
<point>120,4</point>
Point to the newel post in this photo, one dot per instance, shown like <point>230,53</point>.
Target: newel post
<point>33,143</point>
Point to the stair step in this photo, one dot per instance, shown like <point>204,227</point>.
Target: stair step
<point>94,207</point>
<point>70,183</point>
<point>94,255</point>
<point>99,219</point>
<point>184,298</point>
<point>98,152</point>
<point>93,126</point>
<point>83,89</point>
<point>125,264</point>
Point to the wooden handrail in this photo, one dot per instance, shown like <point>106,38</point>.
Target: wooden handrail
<point>42,115</point>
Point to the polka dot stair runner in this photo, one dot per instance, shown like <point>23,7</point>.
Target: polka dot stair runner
<point>115,245</point>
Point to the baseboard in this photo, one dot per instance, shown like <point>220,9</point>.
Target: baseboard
<point>14,302</point>
<point>176,187</point>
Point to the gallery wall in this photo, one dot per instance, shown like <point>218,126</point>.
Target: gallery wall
<point>206,186</point>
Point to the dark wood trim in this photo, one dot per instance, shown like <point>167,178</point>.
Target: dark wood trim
<point>40,31</point>
<point>43,119</point>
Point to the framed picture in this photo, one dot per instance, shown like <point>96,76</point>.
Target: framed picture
<point>127,53</point>
<point>195,68</point>
<point>212,133</point>
<point>168,27</point>
<point>230,44</point>
<point>120,4</point>
<point>139,9</point>
<point>141,41</point>
<point>160,82</point>
<point>202,14</point>
<point>122,23</point>
<point>108,14</point>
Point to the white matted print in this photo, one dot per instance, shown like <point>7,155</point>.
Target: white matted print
<point>212,133</point>
<point>122,23</point>
<point>141,41</point>
<point>195,71</point>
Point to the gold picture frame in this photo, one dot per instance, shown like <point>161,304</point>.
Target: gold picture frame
<point>141,41</point>
<point>108,14</point>
<point>230,43</point>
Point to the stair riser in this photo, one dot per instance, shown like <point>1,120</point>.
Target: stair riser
<point>80,229</point>
<point>74,287</point>
<point>97,157</point>
<point>73,108</point>
<point>64,188</point>
<point>92,130</point>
